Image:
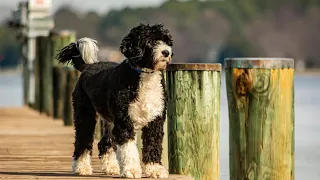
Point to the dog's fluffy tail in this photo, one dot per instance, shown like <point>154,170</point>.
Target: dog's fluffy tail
<point>80,53</point>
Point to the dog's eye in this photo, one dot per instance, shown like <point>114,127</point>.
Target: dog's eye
<point>172,54</point>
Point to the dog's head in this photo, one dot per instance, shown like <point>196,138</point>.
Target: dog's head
<point>148,46</point>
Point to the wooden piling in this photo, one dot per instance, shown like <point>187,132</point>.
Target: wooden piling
<point>25,77</point>
<point>98,133</point>
<point>194,119</point>
<point>56,92</point>
<point>68,111</point>
<point>59,39</point>
<point>37,75</point>
<point>260,94</point>
<point>45,79</point>
<point>60,83</point>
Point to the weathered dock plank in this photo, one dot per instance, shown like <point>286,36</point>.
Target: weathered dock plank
<point>34,146</point>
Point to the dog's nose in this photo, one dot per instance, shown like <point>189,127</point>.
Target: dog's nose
<point>165,53</point>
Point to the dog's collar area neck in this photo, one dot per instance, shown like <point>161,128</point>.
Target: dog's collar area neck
<point>139,70</point>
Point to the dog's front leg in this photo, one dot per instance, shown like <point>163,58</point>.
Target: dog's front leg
<point>127,150</point>
<point>152,136</point>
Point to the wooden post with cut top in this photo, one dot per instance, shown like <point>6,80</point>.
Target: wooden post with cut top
<point>71,82</point>
<point>260,94</point>
<point>194,119</point>
<point>44,79</point>
<point>60,83</point>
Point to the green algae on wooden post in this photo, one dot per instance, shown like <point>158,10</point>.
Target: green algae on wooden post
<point>44,58</point>
<point>71,82</point>
<point>60,83</point>
<point>194,119</point>
<point>26,82</point>
<point>59,39</point>
<point>37,76</point>
<point>260,94</point>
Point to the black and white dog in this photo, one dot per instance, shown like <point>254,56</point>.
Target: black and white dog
<point>129,96</point>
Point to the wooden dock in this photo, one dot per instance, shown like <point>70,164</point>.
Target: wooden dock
<point>34,146</point>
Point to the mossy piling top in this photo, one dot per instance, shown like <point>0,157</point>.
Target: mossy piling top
<point>259,62</point>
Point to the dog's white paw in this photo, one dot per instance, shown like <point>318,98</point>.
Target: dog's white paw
<point>83,171</point>
<point>82,166</point>
<point>109,163</point>
<point>155,170</point>
<point>132,172</point>
<point>129,160</point>
<point>111,170</point>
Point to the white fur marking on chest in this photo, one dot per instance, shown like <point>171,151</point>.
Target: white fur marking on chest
<point>149,102</point>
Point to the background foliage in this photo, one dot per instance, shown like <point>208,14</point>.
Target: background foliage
<point>208,31</point>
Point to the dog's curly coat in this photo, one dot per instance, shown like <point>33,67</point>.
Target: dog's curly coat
<point>128,96</point>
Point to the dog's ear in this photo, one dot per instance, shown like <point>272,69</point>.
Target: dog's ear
<point>132,44</point>
<point>162,33</point>
<point>131,49</point>
<point>127,48</point>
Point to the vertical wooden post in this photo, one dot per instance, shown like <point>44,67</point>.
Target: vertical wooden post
<point>59,40</point>
<point>37,74</point>
<point>61,83</point>
<point>68,37</point>
<point>68,111</point>
<point>44,58</point>
<point>165,151</point>
<point>25,76</point>
<point>58,77</point>
<point>48,73</point>
<point>99,128</point>
<point>194,119</point>
<point>260,94</point>
<point>56,45</point>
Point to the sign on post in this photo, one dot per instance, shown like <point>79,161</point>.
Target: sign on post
<point>40,19</point>
<point>30,20</point>
<point>40,5</point>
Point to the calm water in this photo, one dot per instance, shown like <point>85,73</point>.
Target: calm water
<point>307,113</point>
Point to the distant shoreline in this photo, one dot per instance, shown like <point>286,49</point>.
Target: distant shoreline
<point>315,72</point>
<point>307,72</point>
<point>10,71</point>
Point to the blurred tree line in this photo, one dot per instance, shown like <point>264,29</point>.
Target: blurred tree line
<point>210,30</point>
<point>10,52</point>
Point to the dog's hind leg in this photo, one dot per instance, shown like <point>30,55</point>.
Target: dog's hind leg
<point>152,137</point>
<point>107,150</point>
<point>84,121</point>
